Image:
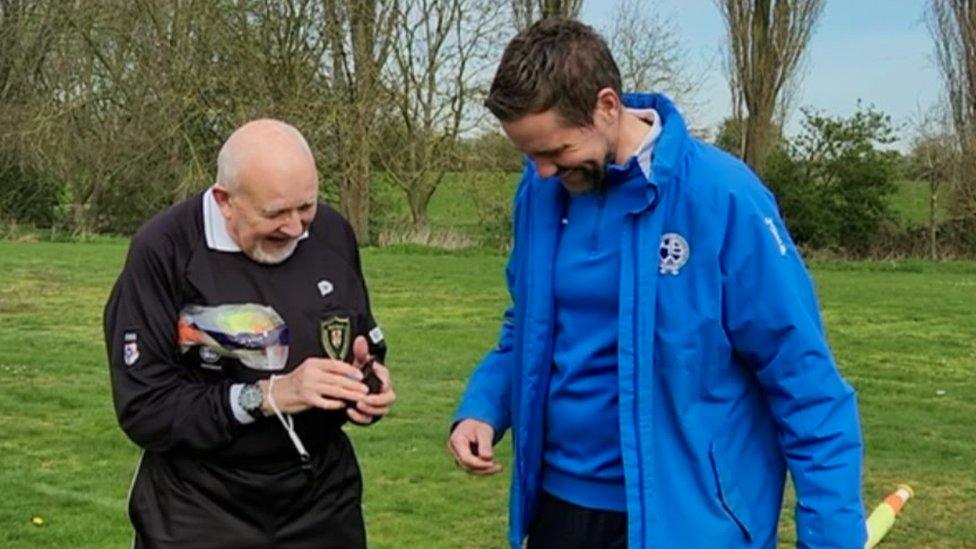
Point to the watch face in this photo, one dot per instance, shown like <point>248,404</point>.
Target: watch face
<point>251,397</point>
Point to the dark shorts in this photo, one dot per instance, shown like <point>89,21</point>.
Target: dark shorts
<point>181,502</point>
<point>559,524</point>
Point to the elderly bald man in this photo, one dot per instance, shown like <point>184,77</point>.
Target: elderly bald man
<point>240,340</point>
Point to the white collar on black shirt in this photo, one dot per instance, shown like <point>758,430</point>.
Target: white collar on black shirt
<point>645,150</point>
<point>215,226</point>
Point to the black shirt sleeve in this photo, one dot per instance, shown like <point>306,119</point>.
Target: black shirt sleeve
<point>374,335</point>
<point>158,404</point>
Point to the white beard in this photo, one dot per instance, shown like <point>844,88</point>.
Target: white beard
<point>266,257</point>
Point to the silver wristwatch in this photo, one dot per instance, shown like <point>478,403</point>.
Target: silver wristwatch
<point>250,400</point>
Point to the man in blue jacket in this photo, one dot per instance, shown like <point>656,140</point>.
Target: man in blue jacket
<point>663,363</point>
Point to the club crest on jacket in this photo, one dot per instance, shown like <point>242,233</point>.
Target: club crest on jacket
<point>674,252</point>
<point>335,337</point>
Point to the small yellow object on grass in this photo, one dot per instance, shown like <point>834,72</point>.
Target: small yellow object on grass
<point>883,516</point>
<point>37,521</point>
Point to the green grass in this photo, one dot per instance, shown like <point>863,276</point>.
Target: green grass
<point>903,333</point>
<point>453,212</point>
<point>454,207</point>
<point>910,203</point>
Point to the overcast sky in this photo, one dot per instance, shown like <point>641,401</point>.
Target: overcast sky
<point>879,51</point>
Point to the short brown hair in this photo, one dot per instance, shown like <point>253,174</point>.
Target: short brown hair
<point>555,63</point>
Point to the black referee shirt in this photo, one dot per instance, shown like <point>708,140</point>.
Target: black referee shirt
<point>180,403</point>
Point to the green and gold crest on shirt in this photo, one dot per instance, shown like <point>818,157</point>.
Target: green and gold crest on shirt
<point>335,337</point>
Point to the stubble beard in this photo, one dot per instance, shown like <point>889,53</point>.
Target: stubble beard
<point>586,179</point>
<point>268,257</point>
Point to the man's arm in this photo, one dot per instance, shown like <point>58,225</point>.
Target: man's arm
<point>772,317</point>
<point>157,405</point>
<point>488,395</point>
<point>484,413</point>
<point>485,410</point>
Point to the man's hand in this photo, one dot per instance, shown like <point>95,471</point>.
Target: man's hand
<point>369,408</point>
<point>315,383</point>
<point>470,443</point>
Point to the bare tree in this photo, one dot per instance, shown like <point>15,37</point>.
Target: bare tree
<point>127,107</point>
<point>25,40</point>
<point>952,24</point>
<point>766,41</point>
<point>442,50</point>
<point>130,104</point>
<point>526,12</point>
<point>734,124</point>
<point>27,36</point>
<point>139,95</point>
<point>933,158</point>
<point>650,55</point>
<point>360,34</point>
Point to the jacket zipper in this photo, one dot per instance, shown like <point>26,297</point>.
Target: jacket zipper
<point>637,379</point>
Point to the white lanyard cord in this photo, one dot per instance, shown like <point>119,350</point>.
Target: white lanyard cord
<point>287,422</point>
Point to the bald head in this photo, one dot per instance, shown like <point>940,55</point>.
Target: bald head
<point>267,188</point>
<point>261,145</point>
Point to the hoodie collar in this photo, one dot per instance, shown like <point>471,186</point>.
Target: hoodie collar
<point>671,144</point>
<point>668,145</point>
<point>638,164</point>
<point>645,150</point>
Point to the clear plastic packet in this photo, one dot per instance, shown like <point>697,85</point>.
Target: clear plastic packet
<point>254,334</point>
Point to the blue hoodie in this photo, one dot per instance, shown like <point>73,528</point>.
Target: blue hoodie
<point>582,464</point>
<point>725,376</point>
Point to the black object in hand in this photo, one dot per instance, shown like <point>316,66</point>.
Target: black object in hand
<point>370,378</point>
<point>372,381</point>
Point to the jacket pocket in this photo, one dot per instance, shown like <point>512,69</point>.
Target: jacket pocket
<point>728,492</point>
<point>679,379</point>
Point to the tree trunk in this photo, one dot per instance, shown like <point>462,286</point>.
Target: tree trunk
<point>355,190</point>
<point>355,206</point>
<point>418,216</point>
<point>357,31</point>
<point>953,27</point>
<point>756,143</point>
<point>527,12</point>
<point>419,200</point>
<point>766,41</point>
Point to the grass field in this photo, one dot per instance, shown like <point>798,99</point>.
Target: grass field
<point>454,220</point>
<point>910,203</point>
<point>904,335</point>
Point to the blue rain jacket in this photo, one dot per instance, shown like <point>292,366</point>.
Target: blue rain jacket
<point>726,380</point>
